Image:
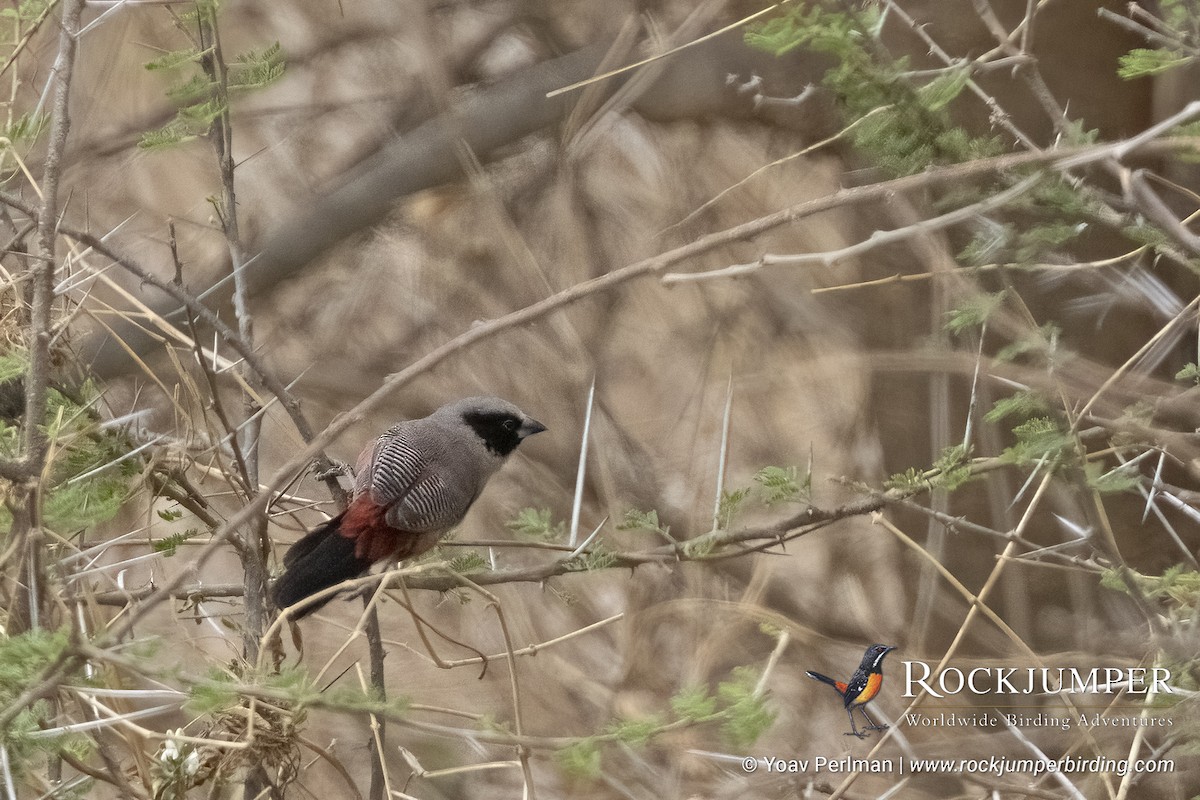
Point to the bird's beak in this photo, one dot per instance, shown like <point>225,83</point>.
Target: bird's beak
<point>529,427</point>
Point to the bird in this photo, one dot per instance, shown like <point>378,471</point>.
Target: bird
<point>861,688</point>
<point>413,484</point>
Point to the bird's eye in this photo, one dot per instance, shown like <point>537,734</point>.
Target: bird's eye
<point>510,424</point>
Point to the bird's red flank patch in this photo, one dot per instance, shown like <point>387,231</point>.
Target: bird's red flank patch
<point>366,525</point>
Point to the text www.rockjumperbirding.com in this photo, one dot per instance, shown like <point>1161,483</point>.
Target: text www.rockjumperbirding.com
<point>994,765</point>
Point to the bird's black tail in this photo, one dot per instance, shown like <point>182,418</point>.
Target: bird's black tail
<point>321,559</point>
<point>823,679</point>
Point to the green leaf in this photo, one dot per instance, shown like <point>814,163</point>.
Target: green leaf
<point>215,694</point>
<point>468,561</point>
<point>580,760</point>
<point>1178,583</point>
<point>953,470</point>
<point>196,88</point>
<point>1074,134</point>
<point>1060,196</point>
<point>171,134</point>
<point>13,364</point>
<point>699,547</point>
<point>1033,243</point>
<point>348,698</point>
<point>636,520</point>
<point>199,116</point>
<point>988,244</point>
<point>694,703</point>
<point>1144,233</point>
<point>200,10</point>
<point>1023,403</point>
<point>1141,62</point>
<point>943,89</point>
<point>746,714</point>
<point>1044,342</point>
<point>30,10</point>
<point>635,733</point>
<point>730,505</point>
<point>169,545</point>
<point>536,524</point>
<point>907,129</point>
<point>1140,412</point>
<point>1125,478</point>
<point>174,60</point>
<point>1189,373</point>
<point>1037,439</point>
<point>597,557</point>
<point>24,658</point>
<point>73,502</point>
<point>26,128</point>
<point>910,480</point>
<point>974,311</point>
<point>779,485</point>
<point>256,69</point>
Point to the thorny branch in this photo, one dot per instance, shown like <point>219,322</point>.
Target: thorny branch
<point>26,593</point>
<point>43,267</point>
<point>322,464</point>
<point>714,546</point>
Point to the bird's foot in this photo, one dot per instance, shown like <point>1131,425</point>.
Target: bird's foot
<point>336,469</point>
<point>877,728</point>
<point>859,734</point>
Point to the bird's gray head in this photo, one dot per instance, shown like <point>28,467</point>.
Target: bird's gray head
<point>499,423</point>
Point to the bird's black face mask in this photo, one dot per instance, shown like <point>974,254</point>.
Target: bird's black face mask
<point>501,431</point>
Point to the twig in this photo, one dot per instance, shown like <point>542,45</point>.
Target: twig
<point>1139,738</point>
<point>1125,148</point>
<point>43,267</point>
<point>999,115</point>
<point>812,148</point>
<point>875,240</point>
<point>969,270</point>
<point>1057,774</point>
<point>33,28</point>
<point>378,747</point>
<point>9,787</point>
<point>322,464</point>
<point>723,453</point>
<point>514,684</point>
<point>1145,32</point>
<point>1152,206</point>
<point>337,765</point>
<point>581,473</point>
<point>423,577</point>
<point>534,649</point>
<point>1179,318</point>
<point>611,73</point>
<point>1029,71</point>
<point>256,543</point>
<point>973,600</point>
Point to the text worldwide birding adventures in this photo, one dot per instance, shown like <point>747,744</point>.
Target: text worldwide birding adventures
<point>862,687</point>
<point>413,484</point>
